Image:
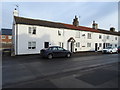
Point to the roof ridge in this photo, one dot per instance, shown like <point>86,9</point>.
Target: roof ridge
<point>38,20</point>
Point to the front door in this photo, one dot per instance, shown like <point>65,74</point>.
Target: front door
<point>71,47</point>
<point>103,45</point>
<point>96,45</point>
<point>46,44</point>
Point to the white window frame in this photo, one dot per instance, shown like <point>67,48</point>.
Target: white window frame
<point>77,44</point>
<point>100,36</point>
<point>59,33</point>
<point>89,36</point>
<point>32,45</point>
<point>108,37</point>
<point>116,38</point>
<point>88,44</point>
<point>100,44</point>
<point>32,30</point>
<point>77,35</point>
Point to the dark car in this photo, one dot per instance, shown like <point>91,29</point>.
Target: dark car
<point>119,49</point>
<point>55,51</point>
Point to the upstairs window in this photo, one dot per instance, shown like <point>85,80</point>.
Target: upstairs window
<point>100,36</point>
<point>59,33</point>
<point>61,44</point>
<point>32,30</point>
<point>32,45</point>
<point>108,37</point>
<point>89,35</point>
<point>77,35</point>
<point>115,38</point>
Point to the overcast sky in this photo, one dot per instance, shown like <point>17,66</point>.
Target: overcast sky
<point>104,13</point>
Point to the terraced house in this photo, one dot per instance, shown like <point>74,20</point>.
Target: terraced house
<point>31,35</point>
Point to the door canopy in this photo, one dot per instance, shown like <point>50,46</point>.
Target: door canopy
<point>71,40</point>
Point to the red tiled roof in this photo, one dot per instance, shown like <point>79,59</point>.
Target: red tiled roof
<point>82,28</point>
<point>28,21</point>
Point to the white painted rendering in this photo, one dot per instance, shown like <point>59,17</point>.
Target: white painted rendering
<point>47,34</point>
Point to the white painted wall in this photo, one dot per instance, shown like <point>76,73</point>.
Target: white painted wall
<point>46,34</point>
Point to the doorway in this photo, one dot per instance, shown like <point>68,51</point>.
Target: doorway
<point>71,42</point>
<point>72,47</point>
<point>96,45</point>
<point>104,45</point>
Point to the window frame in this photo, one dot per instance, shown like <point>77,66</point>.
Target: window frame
<point>100,36</point>
<point>88,44</point>
<point>77,35</point>
<point>116,38</point>
<point>32,45</point>
<point>32,30</point>
<point>89,36</point>
<point>77,44</point>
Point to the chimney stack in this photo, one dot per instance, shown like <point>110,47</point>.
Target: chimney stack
<point>15,12</point>
<point>75,21</point>
<point>94,25</point>
<point>112,29</point>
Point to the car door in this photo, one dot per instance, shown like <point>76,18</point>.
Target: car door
<point>55,52</point>
<point>62,52</point>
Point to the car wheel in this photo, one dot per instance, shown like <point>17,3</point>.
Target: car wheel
<point>68,55</point>
<point>50,56</point>
<point>111,52</point>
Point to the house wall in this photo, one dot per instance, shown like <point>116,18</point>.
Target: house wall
<point>46,34</point>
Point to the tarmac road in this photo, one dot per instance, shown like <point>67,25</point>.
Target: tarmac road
<point>77,72</point>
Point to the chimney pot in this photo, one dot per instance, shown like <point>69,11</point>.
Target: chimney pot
<point>75,21</point>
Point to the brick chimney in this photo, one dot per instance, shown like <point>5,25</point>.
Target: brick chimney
<point>112,29</point>
<point>94,25</point>
<point>75,21</point>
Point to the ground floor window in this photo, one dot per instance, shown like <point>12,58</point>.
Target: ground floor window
<point>32,45</point>
<point>88,44</point>
<point>77,44</point>
<point>108,44</point>
<point>100,44</point>
<point>61,44</point>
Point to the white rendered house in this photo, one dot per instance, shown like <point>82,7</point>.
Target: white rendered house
<point>31,35</point>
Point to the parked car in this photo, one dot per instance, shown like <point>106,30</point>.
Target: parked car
<point>119,49</point>
<point>55,51</point>
<point>110,49</point>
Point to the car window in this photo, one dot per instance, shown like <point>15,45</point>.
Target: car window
<point>59,48</point>
<point>50,48</point>
<point>108,47</point>
<point>54,48</point>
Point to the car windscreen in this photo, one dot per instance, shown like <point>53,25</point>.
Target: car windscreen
<point>108,47</point>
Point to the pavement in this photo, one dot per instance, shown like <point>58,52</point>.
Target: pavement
<point>34,71</point>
